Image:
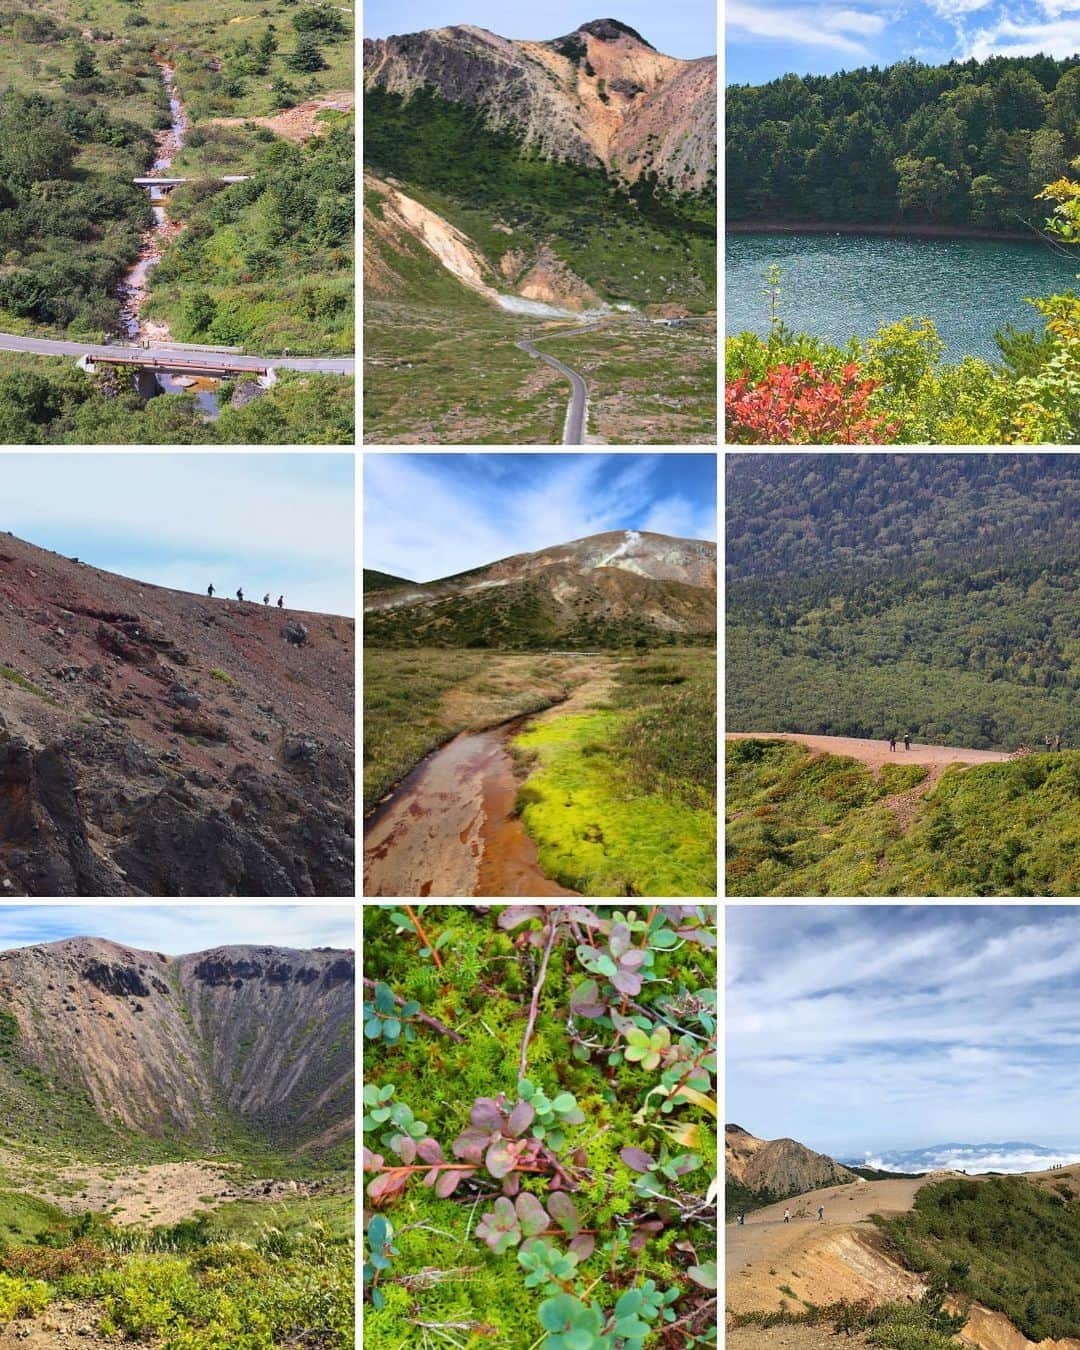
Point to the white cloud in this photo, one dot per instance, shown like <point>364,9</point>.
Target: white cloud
<point>421,525</point>
<point>853,21</point>
<point>1059,38</point>
<point>791,24</point>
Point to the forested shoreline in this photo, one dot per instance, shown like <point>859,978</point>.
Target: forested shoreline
<point>969,143</point>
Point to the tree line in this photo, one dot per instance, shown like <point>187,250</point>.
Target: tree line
<point>966,144</point>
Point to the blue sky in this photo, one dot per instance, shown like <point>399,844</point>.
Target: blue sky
<point>264,522</point>
<point>429,516</point>
<point>180,929</point>
<point>862,1029</point>
<point>686,29</point>
<point>767,38</point>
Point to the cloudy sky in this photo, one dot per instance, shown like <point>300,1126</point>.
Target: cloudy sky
<point>265,522</point>
<point>687,29</point>
<point>767,38</point>
<point>865,1029</point>
<point>180,929</point>
<point>429,516</point>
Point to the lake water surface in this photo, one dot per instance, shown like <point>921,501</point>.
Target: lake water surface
<point>840,286</point>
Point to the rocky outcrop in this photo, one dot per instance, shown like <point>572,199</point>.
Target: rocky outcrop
<point>778,1167</point>
<point>555,95</point>
<point>132,708</point>
<point>190,1048</point>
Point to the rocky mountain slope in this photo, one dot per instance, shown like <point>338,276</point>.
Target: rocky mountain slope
<point>99,1041</point>
<point>611,589</point>
<point>157,743</point>
<point>778,1167</point>
<point>601,96</point>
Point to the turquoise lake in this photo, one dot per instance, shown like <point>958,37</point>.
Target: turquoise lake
<point>840,286</point>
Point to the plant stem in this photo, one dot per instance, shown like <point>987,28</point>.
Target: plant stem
<point>423,936</point>
<point>428,1021</point>
<point>552,926</point>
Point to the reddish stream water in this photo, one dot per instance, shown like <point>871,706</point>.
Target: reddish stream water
<point>448,829</point>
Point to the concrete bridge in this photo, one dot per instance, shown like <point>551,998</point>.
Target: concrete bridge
<point>164,184</point>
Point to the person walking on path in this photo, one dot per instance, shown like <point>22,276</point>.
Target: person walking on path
<point>821,1213</point>
<point>240,594</point>
<point>787,1215</point>
<point>1057,742</point>
<point>892,740</point>
<point>281,602</point>
<point>1048,742</point>
<point>266,598</point>
<point>210,590</point>
<point>907,740</point>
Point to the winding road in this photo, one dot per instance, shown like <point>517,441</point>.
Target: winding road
<point>327,365</point>
<point>574,426</point>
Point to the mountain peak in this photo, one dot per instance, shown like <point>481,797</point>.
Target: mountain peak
<point>610,30</point>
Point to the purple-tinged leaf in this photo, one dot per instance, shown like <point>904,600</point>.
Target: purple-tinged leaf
<point>405,1147</point>
<point>633,959</point>
<point>626,982</point>
<point>580,914</point>
<point>372,1161</point>
<point>513,915</point>
<point>521,1117</point>
<point>449,1181</point>
<point>637,1158</point>
<point>511,1184</point>
<point>531,1214</point>
<point>500,1158</point>
<point>563,1210</point>
<point>485,1114</point>
<point>575,1116</point>
<point>622,1024</point>
<point>499,1226</point>
<point>619,941</point>
<point>582,1246</point>
<point>644,1231</point>
<point>389,1184</point>
<point>429,1150</point>
<point>470,1144</point>
<point>585,1000</point>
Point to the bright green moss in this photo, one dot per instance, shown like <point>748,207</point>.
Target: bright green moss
<point>595,836</point>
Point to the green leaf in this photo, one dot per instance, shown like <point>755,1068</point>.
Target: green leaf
<point>371,1094</point>
<point>526,1088</point>
<point>629,1303</point>
<point>632,1328</point>
<point>555,1313</point>
<point>425,951</point>
<point>383,1113</point>
<point>651,1060</point>
<point>636,1037</point>
<point>385,1093</point>
<point>384,998</point>
<point>410,1032</point>
<point>400,920</point>
<point>663,937</point>
<point>581,1338</point>
<point>563,1102</point>
<point>704,1275</point>
<point>373,1029</point>
<point>391,1029</point>
<point>409,1009</point>
<point>378,1300</point>
<point>379,1261</point>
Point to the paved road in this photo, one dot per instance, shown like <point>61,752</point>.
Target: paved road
<point>574,426</point>
<point>329,365</point>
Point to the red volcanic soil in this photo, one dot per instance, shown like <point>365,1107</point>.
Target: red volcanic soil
<point>158,743</point>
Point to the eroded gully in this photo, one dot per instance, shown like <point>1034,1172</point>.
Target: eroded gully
<point>135,286</point>
<point>448,829</point>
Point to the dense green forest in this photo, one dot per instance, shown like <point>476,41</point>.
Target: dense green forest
<point>605,232</point>
<point>49,401</point>
<point>1004,1242</point>
<point>933,592</point>
<point>803,825</point>
<point>69,222</point>
<point>966,144</point>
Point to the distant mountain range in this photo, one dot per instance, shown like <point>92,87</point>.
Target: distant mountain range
<point>622,588</point>
<point>1010,1156</point>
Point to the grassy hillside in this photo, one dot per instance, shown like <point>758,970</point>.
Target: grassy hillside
<point>382,581</point>
<point>800,825</point>
<point>1006,1243</point>
<point>638,248</point>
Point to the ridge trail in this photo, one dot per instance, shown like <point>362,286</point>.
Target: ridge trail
<point>875,754</point>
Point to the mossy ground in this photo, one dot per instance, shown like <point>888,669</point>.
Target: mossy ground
<point>483,993</point>
<point>800,825</point>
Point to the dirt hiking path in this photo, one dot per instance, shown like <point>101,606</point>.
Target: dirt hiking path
<point>875,754</point>
<point>62,1326</point>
